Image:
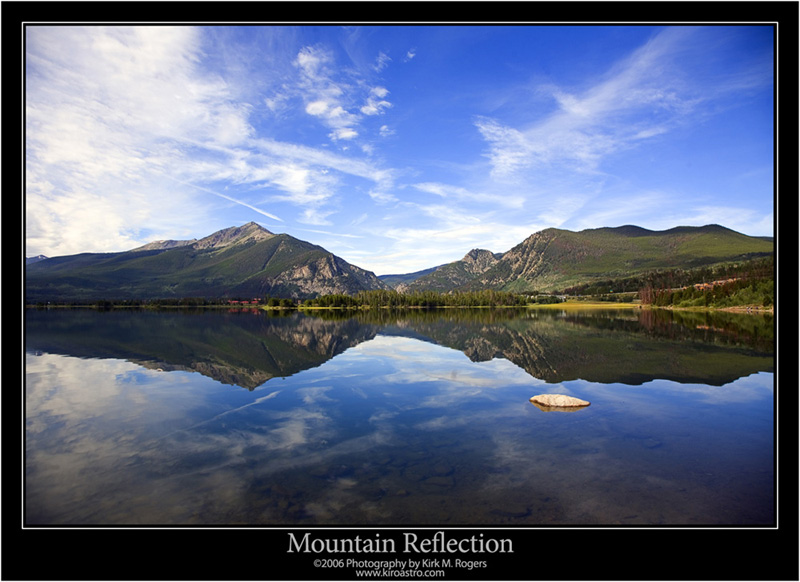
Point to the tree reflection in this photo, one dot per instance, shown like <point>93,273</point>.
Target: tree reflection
<point>248,349</point>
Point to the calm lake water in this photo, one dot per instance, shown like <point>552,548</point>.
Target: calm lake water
<point>398,418</point>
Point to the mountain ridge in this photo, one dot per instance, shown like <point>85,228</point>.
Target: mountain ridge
<point>251,261</point>
<point>237,261</point>
<point>218,239</point>
<point>452,275</point>
<point>554,259</point>
<point>36,259</point>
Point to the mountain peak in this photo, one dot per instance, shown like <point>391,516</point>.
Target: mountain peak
<point>239,261</point>
<point>234,235</point>
<point>36,259</point>
<point>474,254</point>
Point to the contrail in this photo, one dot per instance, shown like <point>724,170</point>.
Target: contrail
<point>245,204</point>
<point>221,414</point>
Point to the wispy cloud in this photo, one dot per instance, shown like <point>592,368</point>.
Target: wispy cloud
<point>459,193</point>
<point>141,133</point>
<point>644,96</point>
<point>126,124</point>
<point>376,102</point>
<point>104,108</point>
<point>332,95</point>
<point>567,161</point>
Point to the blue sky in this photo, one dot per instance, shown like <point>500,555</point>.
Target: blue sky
<point>396,147</point>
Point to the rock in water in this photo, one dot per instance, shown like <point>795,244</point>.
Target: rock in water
<point>557,401</point>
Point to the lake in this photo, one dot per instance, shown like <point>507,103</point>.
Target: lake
<point>216,417</point>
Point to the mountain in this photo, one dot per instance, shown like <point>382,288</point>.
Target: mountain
<point>248,351</point>
<point>557,347</point>
<point>36,259</point>
<point>395,281</point>
<point>554,259</point>
<point>162,245</point>
<point>245,261</point>
<point>232,348</point>
<point>250,261</point>
<point>452,275</point>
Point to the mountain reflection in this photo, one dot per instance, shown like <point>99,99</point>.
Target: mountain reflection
<point>239,348</point>
<point>248,349</point>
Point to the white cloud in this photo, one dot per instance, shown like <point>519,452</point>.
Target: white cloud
<point>644,96</point>
<point>376,103</point>
<point>104,108</point>
<point>315,215</point>
<point>331,93</point>
<point>343,133</point>
<point>382,61</point>
<point>327,95</point>
<point>125,126</point>
<point>510,151</point>
<point>317,108</point>
<point>132,126</point>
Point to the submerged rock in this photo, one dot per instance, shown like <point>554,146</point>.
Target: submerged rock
<point>558,402</point>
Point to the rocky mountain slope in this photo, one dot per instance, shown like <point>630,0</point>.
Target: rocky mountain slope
<point>554,259</point>
<point>245,261</point>
<point>250,261</point>
<point>452,275</point>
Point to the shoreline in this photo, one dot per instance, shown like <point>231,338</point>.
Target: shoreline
<point>743,309</point>
<point>566,305</point>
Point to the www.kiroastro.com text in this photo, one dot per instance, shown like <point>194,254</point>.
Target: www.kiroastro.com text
<point>411,543</point>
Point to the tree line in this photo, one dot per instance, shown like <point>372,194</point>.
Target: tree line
<point>676,278</point>
<point>426,299</point>
<point>746,283</point>
<point>733,293</point>
<point>363,299</point>
<point>731,285</point>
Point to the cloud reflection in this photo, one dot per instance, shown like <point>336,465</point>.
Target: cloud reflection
<point>369,436</point>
